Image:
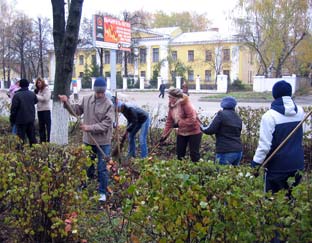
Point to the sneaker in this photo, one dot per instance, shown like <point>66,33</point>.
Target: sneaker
<point>102,198</point>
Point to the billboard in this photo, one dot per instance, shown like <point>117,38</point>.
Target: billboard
<point>111,33</point>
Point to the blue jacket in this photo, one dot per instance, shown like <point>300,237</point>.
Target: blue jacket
<point>276,124</point>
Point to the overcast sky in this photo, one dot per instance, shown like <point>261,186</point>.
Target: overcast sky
<point>217,10</point>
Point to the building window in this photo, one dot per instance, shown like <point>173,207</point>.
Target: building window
<point>143,74</point>
<point>155,54</point>
<point>174,55</point>
<point>119,57</point>
<point>93,58</point>
<point>106,57</point>
<point>250,58</point>
<point>207,75</point>
<point>80,74</point>
<point>191,75</point>
<point>208,56</point>
<point>107,74</point>
<point>81,59</point>
<point>226,55</point>
<point>190,56</point>
<point>227,72</point>
<point>142,55</point>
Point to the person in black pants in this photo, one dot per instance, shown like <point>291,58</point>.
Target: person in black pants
<point>23,112</point>
<point>43,94</point>
<point>162,89</point>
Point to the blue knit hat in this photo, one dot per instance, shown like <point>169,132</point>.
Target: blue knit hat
<point>99,84</point>
<point>281,88</point>
<point>228,102</point>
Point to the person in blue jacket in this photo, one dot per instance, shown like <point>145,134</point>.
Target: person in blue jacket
<point>137,119</point>
<point>227,127</point>
<point>276,124</point>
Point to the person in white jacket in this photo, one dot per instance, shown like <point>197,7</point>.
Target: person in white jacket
<point>43,94</point>
<point>276,124</point>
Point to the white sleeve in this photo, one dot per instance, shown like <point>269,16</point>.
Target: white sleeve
<point>267,128</point>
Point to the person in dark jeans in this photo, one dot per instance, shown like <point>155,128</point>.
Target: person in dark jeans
<point>183,117</point>
<point>23,112</point>
<point>43,94</point>
<point>227,126</point>
<point>137,119</point>
<point>162,89</point>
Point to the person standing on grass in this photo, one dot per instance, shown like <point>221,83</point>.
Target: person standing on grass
<point>183,117</point>
<point>97,128</point>
<point>227,126</point>
<point>43,94</point>
<point>23,112</point>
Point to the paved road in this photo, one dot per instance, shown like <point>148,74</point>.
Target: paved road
<point>159,105</point>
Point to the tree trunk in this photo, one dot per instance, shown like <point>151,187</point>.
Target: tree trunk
<point>65,35</point>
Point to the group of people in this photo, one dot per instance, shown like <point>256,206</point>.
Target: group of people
<point>182,117</point>
<point>23,110</point>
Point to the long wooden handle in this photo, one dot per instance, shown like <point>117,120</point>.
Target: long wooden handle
<point>285,140</point>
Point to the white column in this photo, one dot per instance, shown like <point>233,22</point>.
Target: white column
<point>159,80</point>
<point>222,83</point>
<point>124,83</point>
<point>2,84</point>
<point>108,80</point>
<point>178,82</point>
<point>141,82</point>
<point>92,80</point>
<point>197,84</point>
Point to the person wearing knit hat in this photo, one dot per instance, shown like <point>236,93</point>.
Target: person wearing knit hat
<point>100,85</point>
<point>137,119</point>
<point>23,112</point>
<point>227,127</point>
<point>276,124</point>
<point>97,127</point>
<point>183,117</point>
<point>281,88</point>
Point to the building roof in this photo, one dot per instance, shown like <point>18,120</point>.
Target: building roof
<point>201,37</point>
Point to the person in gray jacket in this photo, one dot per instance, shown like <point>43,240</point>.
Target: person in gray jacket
<point>227,126</point>
<point>97,127</point>
<point>43,94</point>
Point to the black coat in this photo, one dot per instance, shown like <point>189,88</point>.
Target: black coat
<point>134,115</point>
<point>23,107</point>
<point>227,126</point>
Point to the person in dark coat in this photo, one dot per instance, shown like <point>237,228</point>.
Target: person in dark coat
<point>137,119</point>
<point>227,126</point>
<point>162,89</point>
<point>23,112</point>
<point>275,126</point>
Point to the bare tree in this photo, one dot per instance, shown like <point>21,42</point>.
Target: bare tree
<point>65,35</point>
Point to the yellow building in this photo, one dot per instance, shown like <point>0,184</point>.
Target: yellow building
<point>161,51</point>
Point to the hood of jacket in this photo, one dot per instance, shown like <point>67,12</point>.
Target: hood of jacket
<point>285,106</point>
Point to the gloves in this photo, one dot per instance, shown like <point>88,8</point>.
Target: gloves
<point>36,91</point>
<point>175,125</point>
<point>253,164</point>
<point>203,128</point>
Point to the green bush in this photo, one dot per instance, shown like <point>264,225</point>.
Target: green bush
<point>179,201</point>
<point>39,196</point>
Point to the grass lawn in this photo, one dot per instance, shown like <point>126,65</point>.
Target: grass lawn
<point>242,95</point>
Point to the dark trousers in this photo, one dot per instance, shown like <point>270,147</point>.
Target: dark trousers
<point>162,94</point>
<point>194,143</point>
<point>28,129</point>
<point>44,118</point>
